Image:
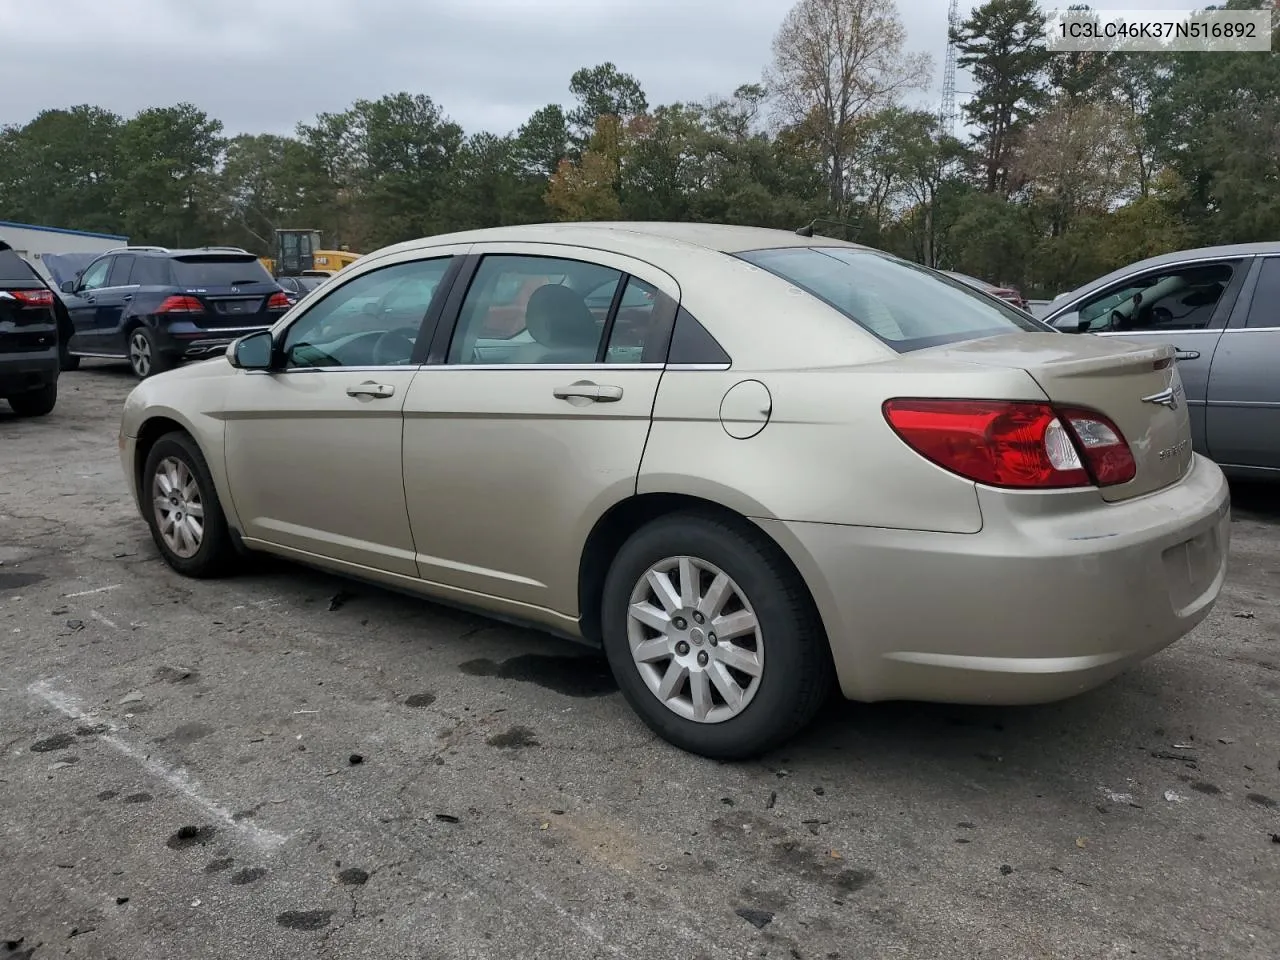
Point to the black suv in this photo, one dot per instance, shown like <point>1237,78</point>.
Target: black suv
<point>28,337</point>
<point>156,307</point>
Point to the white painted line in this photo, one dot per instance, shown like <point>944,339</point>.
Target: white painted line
<point>175,777</point>
<point>89,593</point>
<point>101,619</point>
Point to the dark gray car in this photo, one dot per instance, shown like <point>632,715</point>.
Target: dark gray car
<point>1220,309</point>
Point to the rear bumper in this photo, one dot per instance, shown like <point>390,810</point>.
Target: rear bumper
<point>188,341</point>
<point>23,372</point>
<point>1053,597</point>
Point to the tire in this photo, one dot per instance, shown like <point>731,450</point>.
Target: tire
<point>789,648</point>
<point>145,358</point>
<point>35,403</point>
<point>178,456</point>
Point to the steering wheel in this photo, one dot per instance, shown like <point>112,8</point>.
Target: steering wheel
<point>395,347</point>
<point>1161,315</point>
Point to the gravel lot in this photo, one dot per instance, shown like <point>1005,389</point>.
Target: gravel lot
<point>178,775</point>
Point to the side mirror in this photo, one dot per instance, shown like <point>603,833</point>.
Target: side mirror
<point>253,351</point>
<point>67,286</point>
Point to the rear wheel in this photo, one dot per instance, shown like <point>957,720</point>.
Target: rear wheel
<point>145,359</point>
<point>712,636</point>
<point>182,509</point>
<point>35,403</point>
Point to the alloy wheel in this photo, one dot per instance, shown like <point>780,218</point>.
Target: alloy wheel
<point>179,507</point>
<point>140,353</point>
<point>695,639</point>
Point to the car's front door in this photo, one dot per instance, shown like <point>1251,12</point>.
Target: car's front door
<point>1243,410</point>
<point>515,442</point>
<point>313,447</point>
<point>111,300</point>
<point>1186,305</point>
<point>82,308</point>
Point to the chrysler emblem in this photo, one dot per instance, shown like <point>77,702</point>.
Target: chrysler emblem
<point>1166,398</point>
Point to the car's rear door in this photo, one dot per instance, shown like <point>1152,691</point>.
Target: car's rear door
<point>1243,408</point>
<point>313,447</point>
<point>516,442</point>
<point>1185,305</point>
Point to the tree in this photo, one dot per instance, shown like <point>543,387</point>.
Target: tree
<point>264,183</point>
<point>62,169</point>
<point>1075,160</point>
<point>1002,45</point>
<point>168,157</point>
<point>602,91</point>
<point>834,63</point>
<point>542,141</point>
<point>587,189</point>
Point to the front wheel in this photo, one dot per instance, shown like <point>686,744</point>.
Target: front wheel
<point>35,403</point>
<point>713,637</point>
<point>182,509</point>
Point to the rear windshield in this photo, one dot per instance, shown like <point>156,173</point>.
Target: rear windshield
<point>307,283</point>
<point>13,269</point>
<point>905,305</point>
<point>215,271</point>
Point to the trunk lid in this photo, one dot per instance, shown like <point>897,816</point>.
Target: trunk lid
<point>1135,385</point>
<point>228,306</point>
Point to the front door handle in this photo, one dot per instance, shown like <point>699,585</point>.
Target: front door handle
<point>588,391</point>
<point>1187,355</point>
<point>371,389</point>
<point>127,297</point>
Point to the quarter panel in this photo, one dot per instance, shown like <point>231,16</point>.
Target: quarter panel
<point>826,454</point>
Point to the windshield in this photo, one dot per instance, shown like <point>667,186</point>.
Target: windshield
<point>219,271</point>
<point>905,305</point>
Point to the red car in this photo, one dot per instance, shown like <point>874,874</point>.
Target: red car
<point>1007,294</point>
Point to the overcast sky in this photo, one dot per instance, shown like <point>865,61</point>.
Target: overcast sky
<point>263,65</point>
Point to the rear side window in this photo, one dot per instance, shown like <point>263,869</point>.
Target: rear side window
<point>218,271</point>
<point>904,305</point>
<point>119,275</point>
<point>1264,311</point>
<point>150,272</point>
<point>13,269</point>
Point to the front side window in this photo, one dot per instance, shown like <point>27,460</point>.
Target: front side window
<point>373,320</point>
<point>525,309</point>
<point>1176,299</point>
<point>902,304</point>
<point>95,278</point>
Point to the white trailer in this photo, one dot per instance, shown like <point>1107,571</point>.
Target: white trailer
<point>33,242</point>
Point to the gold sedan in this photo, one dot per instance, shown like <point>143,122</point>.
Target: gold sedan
<point>750,464</point>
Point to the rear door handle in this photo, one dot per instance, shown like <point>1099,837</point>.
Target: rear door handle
<point>127,297</point>
<point>586,390</point>
<point>371,389</point>
<point>1187,355</point>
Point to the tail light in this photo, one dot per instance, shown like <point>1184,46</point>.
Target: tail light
<point>279,301</point>
<point>30,298</point>
<point>180,305</point>
<point>1015,444</point>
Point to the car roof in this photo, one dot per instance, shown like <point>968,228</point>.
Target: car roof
<point>623,235</point>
